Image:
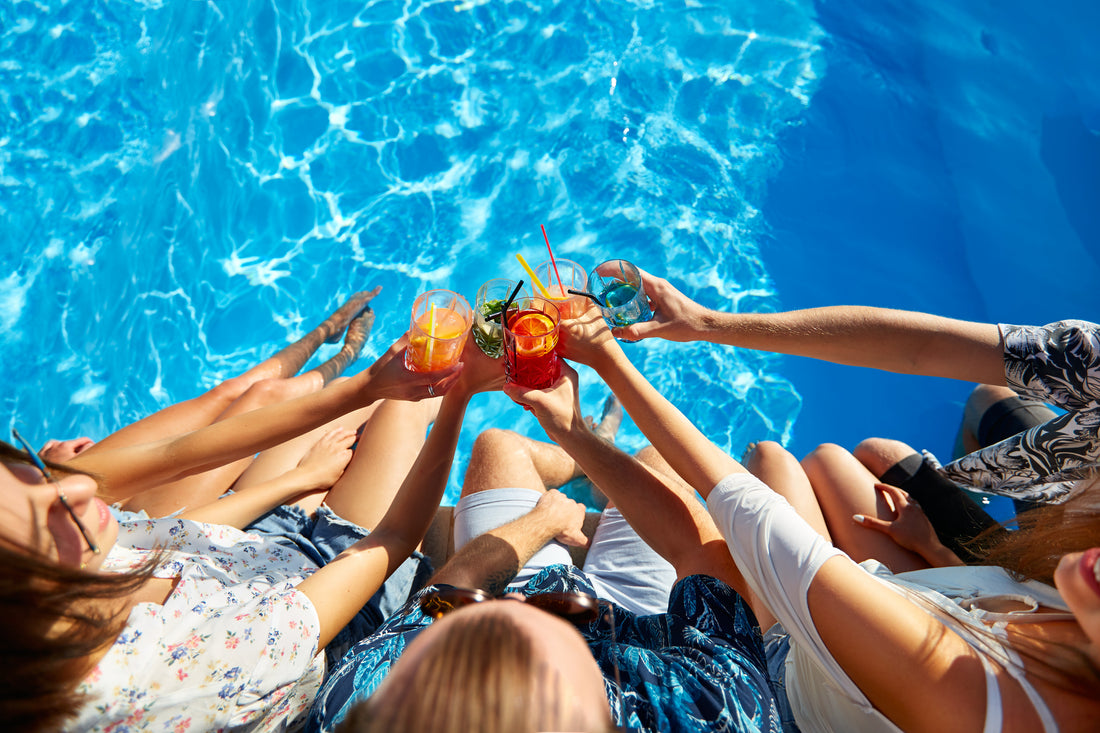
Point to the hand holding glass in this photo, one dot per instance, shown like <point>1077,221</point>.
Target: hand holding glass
<point>440,324</point>
<point>572,277</point>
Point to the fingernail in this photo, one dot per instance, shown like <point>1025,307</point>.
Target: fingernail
<point>858,517</point>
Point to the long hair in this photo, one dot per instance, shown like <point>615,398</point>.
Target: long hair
<point>53,618</point>
<point>486,676</point>
<point>1040,538</point>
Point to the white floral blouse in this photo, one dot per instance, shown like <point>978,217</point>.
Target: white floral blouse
<point>233,646</point>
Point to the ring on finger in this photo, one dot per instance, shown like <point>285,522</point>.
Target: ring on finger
<point>431,390</point>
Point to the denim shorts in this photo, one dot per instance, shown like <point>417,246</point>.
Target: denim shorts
<point>324,536</point>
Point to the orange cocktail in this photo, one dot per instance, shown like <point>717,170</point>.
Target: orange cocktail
<point>568,275</point>
<point>440,324</point>
<point>530,341</point>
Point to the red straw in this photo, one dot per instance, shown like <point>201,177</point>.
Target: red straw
<point>552,262</point>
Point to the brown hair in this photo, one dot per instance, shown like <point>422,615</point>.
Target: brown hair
<point>53,618</point>
<point>483,675</point>
<point>1042,536</point>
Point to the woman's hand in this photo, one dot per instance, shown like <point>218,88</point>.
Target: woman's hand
<point>60,451</point>
<point>388,378</point>
<point>564,515</point>
<point>325,461</point>
<point>557,408</point>
<point>586,338</point>
<point>909,527</point>
<point>480,373</point>
<point>676,317</point>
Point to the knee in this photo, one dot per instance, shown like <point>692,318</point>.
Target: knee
<point>495,444</point>
<point>981,398</point>
<point>266,392</point>
<point>767,453</point>
<point>822,456</point>
<point>880,454</point>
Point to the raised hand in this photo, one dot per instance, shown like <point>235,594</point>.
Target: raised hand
<point>585,338</point>
<point>481,373</point>
<point>389,379</point>
<point>563,514</point>
<point>557,408</point>
<point>676,317</point>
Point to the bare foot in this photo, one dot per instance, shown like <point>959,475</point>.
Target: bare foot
<point>333,326</point>
<point>610,420</point>
<point>358,330</point>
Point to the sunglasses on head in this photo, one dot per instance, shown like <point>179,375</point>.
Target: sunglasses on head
<point>577,608</point>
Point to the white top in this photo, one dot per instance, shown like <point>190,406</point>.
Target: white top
<point>234,645</point>
<point>779,555</point>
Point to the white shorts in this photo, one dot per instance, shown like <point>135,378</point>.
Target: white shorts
<point>622,567</point>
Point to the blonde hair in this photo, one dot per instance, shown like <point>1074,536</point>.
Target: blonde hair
<point>484,675</point>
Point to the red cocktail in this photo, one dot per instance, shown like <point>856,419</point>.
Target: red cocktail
<point>530,338</point>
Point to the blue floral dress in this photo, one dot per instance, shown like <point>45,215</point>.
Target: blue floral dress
<point>698,667</point>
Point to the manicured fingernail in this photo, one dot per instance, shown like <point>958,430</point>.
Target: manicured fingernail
<point>858,517</point>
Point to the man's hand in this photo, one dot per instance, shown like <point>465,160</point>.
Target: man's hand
<point>676,317</point>
<point>564,515</point>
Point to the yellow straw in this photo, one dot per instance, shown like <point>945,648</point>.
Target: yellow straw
<point>533,276</point>
<point>431,333</point>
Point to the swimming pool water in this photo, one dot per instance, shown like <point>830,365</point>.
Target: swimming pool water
<point>188,186</point>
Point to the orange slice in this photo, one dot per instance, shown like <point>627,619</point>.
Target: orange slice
<point>527,328</point>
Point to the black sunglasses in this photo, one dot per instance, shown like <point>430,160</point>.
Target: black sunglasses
<point>48,477</point>
<point>577,608</point>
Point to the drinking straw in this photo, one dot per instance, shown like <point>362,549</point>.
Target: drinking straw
<point>431,333</point>
<point>508,303</point>
<point>553,262</point>
<point>595,299</point>
<point>533,276</point>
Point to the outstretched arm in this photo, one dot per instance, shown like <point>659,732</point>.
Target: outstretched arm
<point>124,472</point>
<point>666,515</point>
<point>340,589</point>
<point>880,338</point>
<point>318,470</point>
<point>491,560</point>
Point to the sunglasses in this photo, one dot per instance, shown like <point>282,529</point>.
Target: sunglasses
<point>577,608</point>
<point>35,461</point>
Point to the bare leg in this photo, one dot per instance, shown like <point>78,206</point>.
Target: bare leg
<point>388,447</point>
<point>981,399</point>
<point>207,486</point>
<point>192,414</point>
<point>775,466</point>
<point>845,487</point>
<point>502,458</point>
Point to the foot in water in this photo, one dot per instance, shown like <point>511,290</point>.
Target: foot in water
<point>356,336</point>
<point>333,326</point>
<point>610,419</point>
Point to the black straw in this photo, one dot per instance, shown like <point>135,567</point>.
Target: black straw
<point>595,300</point>
<point>508,303</point>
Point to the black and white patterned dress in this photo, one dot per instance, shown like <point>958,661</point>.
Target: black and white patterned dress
<point>1058,364</point>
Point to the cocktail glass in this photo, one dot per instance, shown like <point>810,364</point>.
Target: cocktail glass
<point>573,278</point>
<point>491,296</point>
<point>440,324</point>
<point>530,338</point>
<point>618,285</point>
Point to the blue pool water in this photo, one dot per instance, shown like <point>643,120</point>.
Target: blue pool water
<point>187,186</point>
